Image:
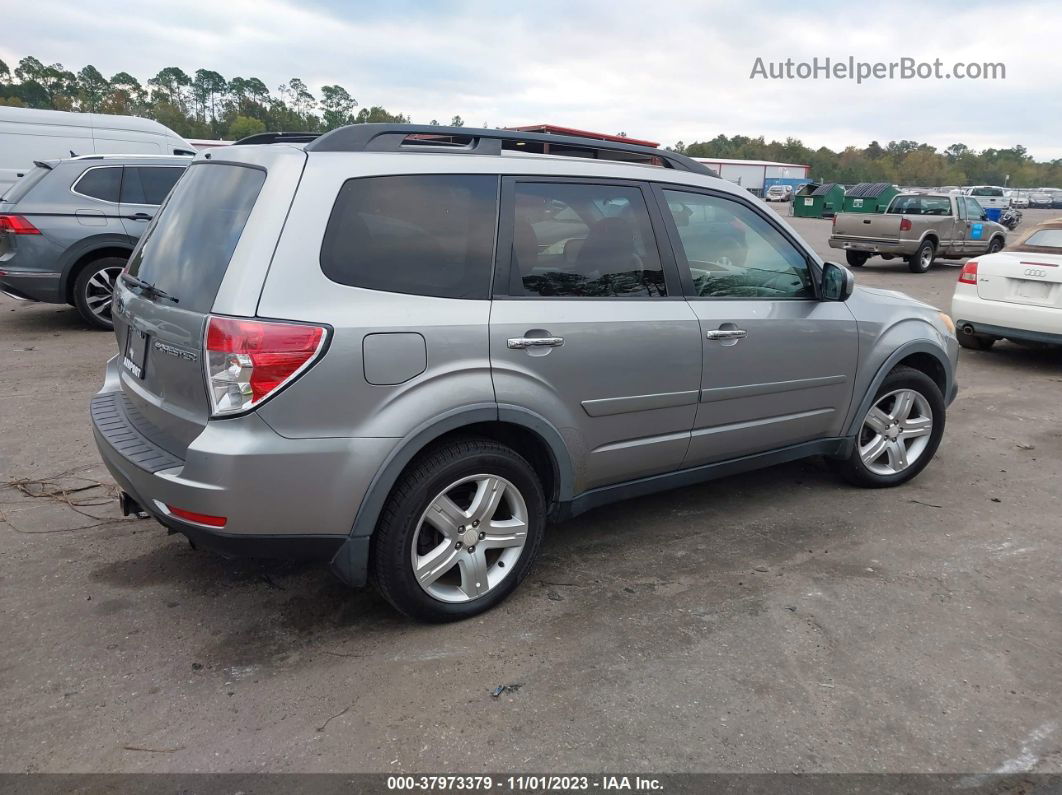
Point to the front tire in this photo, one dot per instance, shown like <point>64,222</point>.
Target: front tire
<point>899,434</point>
<point>922,259</point>
<point>996,245</point>
<point>857,259</point>
<point>460,531</point>
<point>94,291</point>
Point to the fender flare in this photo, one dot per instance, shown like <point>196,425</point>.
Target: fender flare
<point>905,350</point>
<point>351,561</point>
<point>87,246</point>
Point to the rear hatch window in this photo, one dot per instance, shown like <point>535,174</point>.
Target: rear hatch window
<point>186,251</point>
<point>23,185</point>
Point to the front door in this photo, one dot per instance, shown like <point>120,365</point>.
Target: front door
<point>778,364</point>
<point>589,329</point>
<point>975,230</point>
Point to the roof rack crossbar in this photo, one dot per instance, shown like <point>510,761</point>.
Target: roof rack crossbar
<point>471,140</point>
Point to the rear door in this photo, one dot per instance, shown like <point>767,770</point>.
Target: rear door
<point>144,188</point>
<point>778,364</point>
<point>184,255</point>
<point>588,326</point>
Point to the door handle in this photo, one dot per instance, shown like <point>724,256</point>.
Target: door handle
<point>726,334</point>
<point>139,217</point>
<point>520,343</point>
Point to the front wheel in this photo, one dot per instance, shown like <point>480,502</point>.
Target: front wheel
<point>900,432</point>
<point>459,532</point>
<point>857,259</point>
<point>94,291</point>
<point>923,258</point>
<point>996,245</point>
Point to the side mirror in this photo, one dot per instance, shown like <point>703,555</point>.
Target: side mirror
<point>837,282</point>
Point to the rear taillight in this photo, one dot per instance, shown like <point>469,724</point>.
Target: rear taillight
<point>248,360</point>
<point>17,225</point>
<point>905,224</point>
<point>968,274</point>
<point>198,518</point>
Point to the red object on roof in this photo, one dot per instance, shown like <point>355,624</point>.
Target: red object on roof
<point>553,129</point>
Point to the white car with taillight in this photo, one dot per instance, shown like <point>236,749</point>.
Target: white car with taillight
<point>1014,294</point>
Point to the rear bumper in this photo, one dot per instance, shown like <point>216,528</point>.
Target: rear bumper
<point>289,498</point>
<point>1004,318</point>
<point>32,285</point>
<point>870,246</point>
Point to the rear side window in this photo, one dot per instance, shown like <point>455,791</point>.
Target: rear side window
<point>148,184</point>
<point>186,250</point>
<point>104,184</point>
<point>422,234</point>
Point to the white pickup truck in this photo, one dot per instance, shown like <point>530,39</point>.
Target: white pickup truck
<point>918,227</point>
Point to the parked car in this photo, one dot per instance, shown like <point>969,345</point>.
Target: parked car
<point>338,351</point>
<point>779,193</point>
<point>1014,294</point>
<point>68,227</point>
<point>989,196</point>
<point>28,135</point>
<point>1056,197</point>
<point>1019,199</point>
<point>918,227</point>
<point>1040,200</point>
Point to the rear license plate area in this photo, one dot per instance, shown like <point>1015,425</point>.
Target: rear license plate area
<point>1034,291</point>
<point>135,358</point>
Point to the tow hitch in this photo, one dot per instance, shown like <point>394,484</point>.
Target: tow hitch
<point>131,507</point>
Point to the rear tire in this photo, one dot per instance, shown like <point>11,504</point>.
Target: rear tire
<point>976,342</point>
<point>857,259</point>
<point>907,402</point>
<point>415,529</point>
<point>94,291</point>
<point>922,259</point>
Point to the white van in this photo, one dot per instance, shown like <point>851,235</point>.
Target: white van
<point>27,135</point>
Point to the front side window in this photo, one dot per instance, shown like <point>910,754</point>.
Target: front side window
<point>583,241</point>
<point>104,184</point>
<point>975,210</point>
<point>733,252</point>
<point>148,184</point>
<point>427,234</point>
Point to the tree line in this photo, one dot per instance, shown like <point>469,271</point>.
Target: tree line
<point>205,104</point>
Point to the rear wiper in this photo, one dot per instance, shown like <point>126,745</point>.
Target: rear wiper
<point>150,290</point>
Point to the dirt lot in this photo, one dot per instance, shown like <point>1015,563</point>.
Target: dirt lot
<point>776,621</point>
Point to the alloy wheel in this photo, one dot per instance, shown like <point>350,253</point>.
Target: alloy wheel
<point>99,292</point>
<point>895,432</point>
<point>469,538</point>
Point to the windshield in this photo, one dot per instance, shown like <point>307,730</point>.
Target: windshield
<point>1047,238</point>
<point>186,251</point>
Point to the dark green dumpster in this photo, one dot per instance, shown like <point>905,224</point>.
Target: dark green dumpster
<point>869,197</point>
<point>818,201</point>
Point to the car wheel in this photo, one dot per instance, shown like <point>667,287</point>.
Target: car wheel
<point>995,246</point>
<point>922,259</point>
<point>857,259</point>
<point>459,531</point>
<point>899,434</point>
<point>976,342</point>
<point>94,291</point>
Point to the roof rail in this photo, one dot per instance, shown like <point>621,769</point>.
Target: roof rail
<point>277,138</point>
<point>471,140</point>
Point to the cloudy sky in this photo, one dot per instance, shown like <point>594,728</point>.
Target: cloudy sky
<point>666,70</point>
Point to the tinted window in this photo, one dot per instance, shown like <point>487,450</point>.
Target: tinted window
<point>148,184</point>
<point>426,234</point>
<point>920,205</point>
<point>986,192</point>
<point>101,183</point>
<point>186,250</point>
<point>733,252</point>
<point>590,241</point>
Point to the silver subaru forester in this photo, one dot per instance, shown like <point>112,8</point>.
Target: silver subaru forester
<point>406,349</point>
